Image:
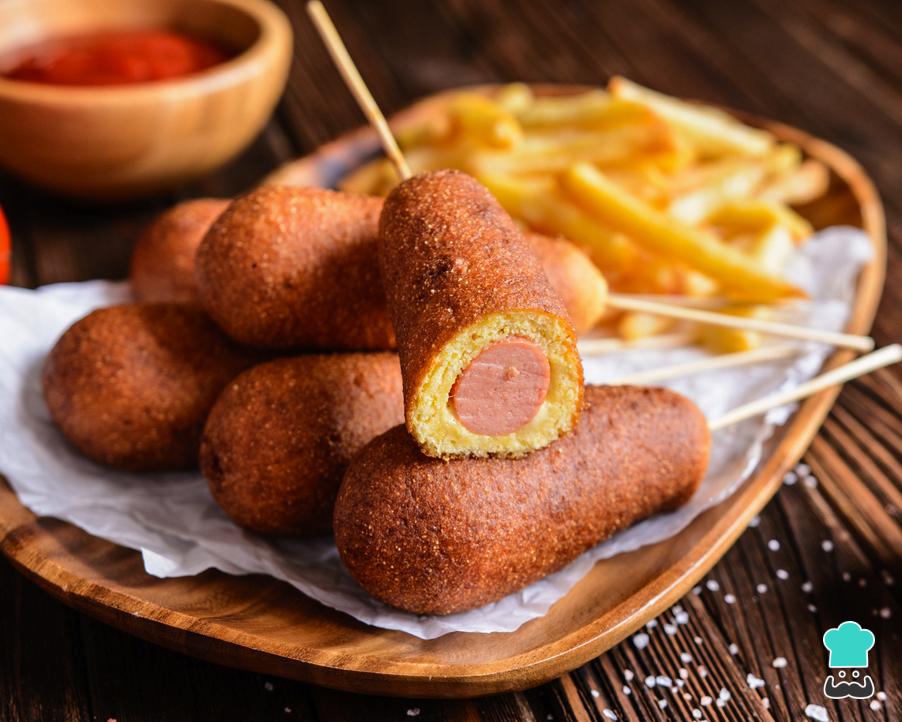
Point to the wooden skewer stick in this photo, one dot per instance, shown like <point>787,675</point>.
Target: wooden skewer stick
<point>776,328</point>
<point>873,361</point>
<point>712,363</point>
<point>355,84</point>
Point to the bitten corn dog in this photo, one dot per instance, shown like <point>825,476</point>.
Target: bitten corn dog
<point>488,354</point>
<point>131,385</point>
<point>281,435</point>
<point>297,268</point>
<point>435,537</point>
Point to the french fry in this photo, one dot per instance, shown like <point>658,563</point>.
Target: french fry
<point>539,204</point>
<point>720,339</point>
<point>515,97</point>
<point>375,178</point>
<point>634,325</point>
<point>712,131</point>
<point>482,121</point>
<point>770,246</point>
<point>657,233</point>
<point>592,110</point>
<point>804,184</point>
<point>554,152</point>
<point>734,179</point>
<point>755,213</point>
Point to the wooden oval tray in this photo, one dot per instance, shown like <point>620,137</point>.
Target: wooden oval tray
<point>260,624</point>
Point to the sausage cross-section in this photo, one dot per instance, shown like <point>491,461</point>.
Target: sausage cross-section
<point>462,281</point>
<point>436,537</point>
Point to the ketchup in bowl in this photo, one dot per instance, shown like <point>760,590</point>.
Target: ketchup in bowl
<point>115,58</point>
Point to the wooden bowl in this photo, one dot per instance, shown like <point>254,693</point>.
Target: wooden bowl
<point>116,142</point>
<point>261,624</point>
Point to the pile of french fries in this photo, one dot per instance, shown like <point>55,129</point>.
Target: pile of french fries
<point>667,197</point>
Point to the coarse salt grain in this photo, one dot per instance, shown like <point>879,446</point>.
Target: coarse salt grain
<point>662,703</point>
<point>681,617</point>
<point>779,662</point>
<point>697,713</point>
<point>846,576</point>
<point>706,700</point>
<point>696,590</point>
<point>651,624</point>
<point>670,629</point>
<point>712,585</point>
<point>413,712</point>
<point>816,712</point>
<point>807,587</point>
<point>875,705</point>
<point>649,681</point>
<point>609,713</point>
<point>733,649</point>
<point>663,681</point>
<point>628,675</point>
<point>790,478</point>
<point>287,710</point>
<point>886,613</point>
<point>827,545</point>
<point>268,686</point>
<point>782,574</point>
<point>755,521</point>
<point>698,640</point>
<point>753,681</point>
<point>773,545</point>
<point>595,693</point>
<point>810,482</point>
<point>685,657</point>
<point>627,691</point>
<point>684,673</point>
<point>640,641</point>
<point>702,671</point>
<point>729,599</point>
<point>812,608</point>
<point>761,588</point>
<point>881,696</point>
<point>803,470</point>
<point>724,693</point>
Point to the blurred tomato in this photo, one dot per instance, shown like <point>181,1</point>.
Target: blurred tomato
<point>5,249</point>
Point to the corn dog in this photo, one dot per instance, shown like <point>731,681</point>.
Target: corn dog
<point>434,537</point>
<point>280,436</point>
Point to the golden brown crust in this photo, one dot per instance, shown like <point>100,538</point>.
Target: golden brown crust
<point>437,537</point>
<point>162,264</point>
<point>574,277</point>
<point>281,435</point>
<point>295,268</point>
<point>131,385</point>
<point>449,255</point>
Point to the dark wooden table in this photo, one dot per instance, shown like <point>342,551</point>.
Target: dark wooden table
<point>826,549</point>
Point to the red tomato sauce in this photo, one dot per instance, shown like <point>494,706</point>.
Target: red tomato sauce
<point>115,58</point>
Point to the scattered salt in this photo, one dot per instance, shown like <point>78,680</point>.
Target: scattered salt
<point>712,585</point>
<point>724,693</point>
<point>681,617</point>
<point>663,681</point>
<point>755,521</point>
<point>734,649</point>
<point>812,608</point>
<point>627,691</point>
<point>662,703</point>
<point>702,671</point>
<point>790,478</point>
<point>696,590</point>
<point>670,629</point>
<point>803,470</point>
<point>413,712</point>
<point>640,641</point>
<point>706,700</point>
<point>816,712</point>
<point>729,599</point>
<point>886,613</point>
<point>807,587</point>
<point>782,574</point>
<point>881,696</point>
<point>595,693</point>
<point>268,686</point>
<point>685,657</point>
<point>862,582</point>
<point>846,576</point>
<point>651,624</point>
<point>628,675</point>
<point>609,713</point>
<point>698,640</point>
<point>287,710</point>
<point>649,681</point>
<point>773,545</point>
<point>761,588</point>
<point>810,482</point>
<point>753,681</point>
<point>827,545</point>
<point>779,662</point>
<point>697,713</point>
<point>875,705</point>
<point>684,673</point>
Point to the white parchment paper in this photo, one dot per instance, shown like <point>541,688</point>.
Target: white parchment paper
<point>180,531</point>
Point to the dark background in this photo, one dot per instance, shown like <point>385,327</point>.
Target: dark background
<point>829,66</point>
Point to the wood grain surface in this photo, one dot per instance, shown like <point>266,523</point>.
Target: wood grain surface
<point>820,64</point>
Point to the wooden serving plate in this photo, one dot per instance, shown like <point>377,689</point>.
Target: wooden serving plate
<point>260,624</point>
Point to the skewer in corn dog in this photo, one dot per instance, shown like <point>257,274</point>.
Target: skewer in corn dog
<point>438,537</point>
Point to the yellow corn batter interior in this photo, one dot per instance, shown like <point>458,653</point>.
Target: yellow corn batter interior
<point>434,424</point>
